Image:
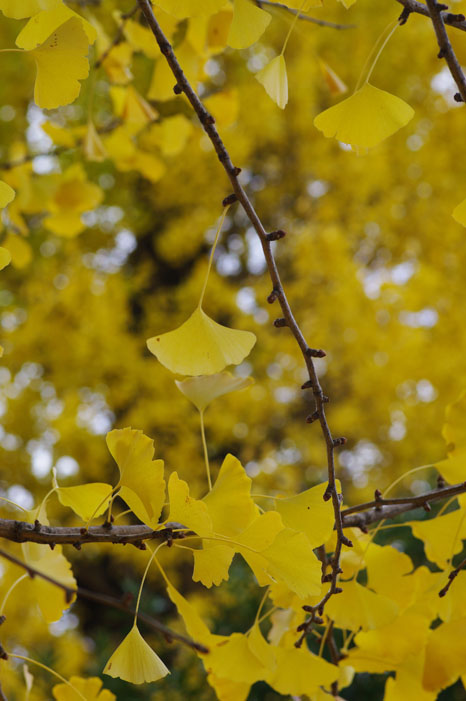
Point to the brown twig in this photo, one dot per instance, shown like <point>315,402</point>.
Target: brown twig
<point>453,574</point>
<point>302,16</point>
<point>21,532</point>
<point>453,20</point>
<point>106,601</point>
<point>118,38</point>
<point>446,49</point>
<point>410,502</point>
<point>208,124</point>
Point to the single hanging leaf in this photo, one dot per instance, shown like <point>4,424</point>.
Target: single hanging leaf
<point>200,346</point>
<point>248,25</point>
<point>141,478</point>
<point>135,661</point>
<point>61,63</point>
<point>366,118</point>
<point>275,81</point>
<point>203,389</point>
<point>90,688</point>
<point>190,8</point>
<point>7,194</point>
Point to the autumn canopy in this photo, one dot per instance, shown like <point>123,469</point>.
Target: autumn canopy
<point>232,375</point>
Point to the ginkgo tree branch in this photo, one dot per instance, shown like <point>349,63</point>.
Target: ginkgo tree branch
<point>278,293</point>
<point>106,600</point>
<point>458,21</point>
<point>303,16</point>
<point>446,49</point>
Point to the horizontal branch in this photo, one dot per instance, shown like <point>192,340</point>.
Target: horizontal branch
<point>111,601</point>
<point>21,532</point>
<point>453,20</point>
<point>362,515</point>
<point>302,16</point>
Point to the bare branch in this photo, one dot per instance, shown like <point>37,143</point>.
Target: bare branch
<point>106,601</point>
<point>451,577</point>
<point>457,21</point>
<point>446,49</point>
<point>303,17</point>
<point>20,532</point>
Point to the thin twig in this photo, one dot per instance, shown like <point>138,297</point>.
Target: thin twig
<point>446,49</point>
<point>453,574</point>
<point>278,293</point>
<point>105,600</point>
<point>304,17</point>
<point>412,502</point>
<point>118,38</point>
<point>453,20</point>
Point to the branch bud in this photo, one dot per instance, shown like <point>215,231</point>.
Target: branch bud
<point>312,417</point>
<point>177,89</point>
<point>315,353</point>
<point>273,296</point>
<point>339,441</point>
<point>276,235</point>
<point>231,199</point>
<point>280,323</point>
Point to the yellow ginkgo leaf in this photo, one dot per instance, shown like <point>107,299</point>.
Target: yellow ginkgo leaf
<point>61,63</point>
<point>233,659</point>
<point>229,502</point>
<point>445,662</point>
<point>275,81</point>
<point>93,148</point>
<point>135,661</point>
<point>453,469</point>
<point>211,564</point>
<point>141,477</point>
<point>200,346</point>
<point>248,25</point>
<point>86,500</point>
<point>359,607</point>
<point>5,257</point>
<point>203,389</point>
<point>170,136</point>
<point>131,108</point>
<point>299,672</point>
<point>19,9</point>
<point>90,688</point>
<point>308,512</point>
<point>52,602</point>
<point>347,3</point>
<point>442,536</point>
<point>42,26</point>
<point>366,118</point>
<point>228,689</point>
<point>7,194</point>
<point>291,560</point>
<point>194,624</point>
<point>190,512</point>
<point>303,5</point>
<point>190,8</point>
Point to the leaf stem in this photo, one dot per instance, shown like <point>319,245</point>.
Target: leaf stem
<point>211,258</point>
<point>47,669</point>
<point>292,26</point>
<point>206,454</point>
<point>144,579</point>
<point>380,39</point>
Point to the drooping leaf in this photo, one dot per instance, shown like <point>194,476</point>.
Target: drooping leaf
<point>135,661</point>
<point>203,389</point>
<point>366,118</point>
<point>200,346</point>
<point>275,81</point>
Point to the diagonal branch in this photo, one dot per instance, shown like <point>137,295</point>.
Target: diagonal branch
<point>446,49</point>
<point>106,601</point>
<point>278,293</point>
